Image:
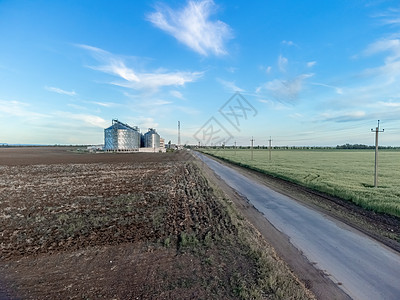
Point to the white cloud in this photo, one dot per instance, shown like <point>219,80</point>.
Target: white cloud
<point>150,82</point>
<point>143,123</point>
<point>75,106</point>
<point>117,67</point>
<point>192,26</point>
<point>385,45</point>
<point>390,70</point>
<point>60,91</point>
<point>230,85</point>
<point>390,17</point>
<point>282,63</point>
<point>147,101</point>
<point>311,64</point>
<point>91,120</point>
<point>104,104</point>
<point>284,90</point>
<point>18,109</point>
<point>296,116</point>
<point>177,94</point>
<point>344,116</point>
<point>388,104</point>
<point>288,43</point>
<point>265,69</point>
<point>338,90</point>
<point>274,105</point>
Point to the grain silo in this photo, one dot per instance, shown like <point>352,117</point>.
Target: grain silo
<point>151,139</point>
<point>121,137</point>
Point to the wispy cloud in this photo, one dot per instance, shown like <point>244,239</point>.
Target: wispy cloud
<point>282,63</point>
<point>143,122</point>
<point>337,89</point>
<point>177,94</point>
<point>385,45</point>
<point>388,104</point>
<point>343,116</point>
<point>230,85</point>
<point>386,76</point>
<point>193,27</point>
<point>104,104</point>
<point>147,101</point>
<point>390,17</point>
<point>311,64</point>
<point>60,91</point>
<point>88,119</point>
<point>274,105</point>
<point>288,43</point>
<point>267,69</point>
<point>18,109</point>
<point>284,90</point>
<point>148,82</point>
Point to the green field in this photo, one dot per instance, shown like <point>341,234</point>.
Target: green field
<point>348,174</point>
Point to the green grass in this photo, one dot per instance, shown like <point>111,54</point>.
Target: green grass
<point>348,174</point>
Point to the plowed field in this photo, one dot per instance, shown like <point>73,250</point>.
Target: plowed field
<point>124,226</point>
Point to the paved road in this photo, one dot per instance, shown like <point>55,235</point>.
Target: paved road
<point>364,268</point>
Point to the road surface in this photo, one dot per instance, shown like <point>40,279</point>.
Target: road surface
<point>362,267</point>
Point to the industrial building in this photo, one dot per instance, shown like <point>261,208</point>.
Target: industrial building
<point>122,137</point>
<point>151,139</point>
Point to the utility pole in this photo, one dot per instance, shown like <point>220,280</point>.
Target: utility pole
<point>179,134</point>
<point>269,147</point>
<point>376,153</point>
<point>235,147</point>
<point>252,140</point>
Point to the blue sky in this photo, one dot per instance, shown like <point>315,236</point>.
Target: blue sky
<point>308,72</point>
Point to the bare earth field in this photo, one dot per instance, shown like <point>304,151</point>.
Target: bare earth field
<point>127,226</point>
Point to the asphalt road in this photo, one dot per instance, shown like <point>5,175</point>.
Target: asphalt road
<point>361,266</point>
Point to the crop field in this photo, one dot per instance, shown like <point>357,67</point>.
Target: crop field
<point>348,174</point>
<point>127,226</point>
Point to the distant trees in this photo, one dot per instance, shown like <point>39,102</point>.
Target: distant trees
<point>361,146</point>
<point>354,146</point>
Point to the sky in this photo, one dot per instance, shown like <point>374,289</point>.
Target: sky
<point>305,73</point>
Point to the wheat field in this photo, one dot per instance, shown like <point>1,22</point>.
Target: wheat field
<point>348,174</point>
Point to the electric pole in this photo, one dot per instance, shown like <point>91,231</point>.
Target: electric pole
<point>235,148</point>
<point>252,140</point>
<point>269,147</point>
<point>376,153</point>
<point>179,134</point>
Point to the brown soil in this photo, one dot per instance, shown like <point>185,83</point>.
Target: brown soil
<point>18,156</point>
<point>118,226</point>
